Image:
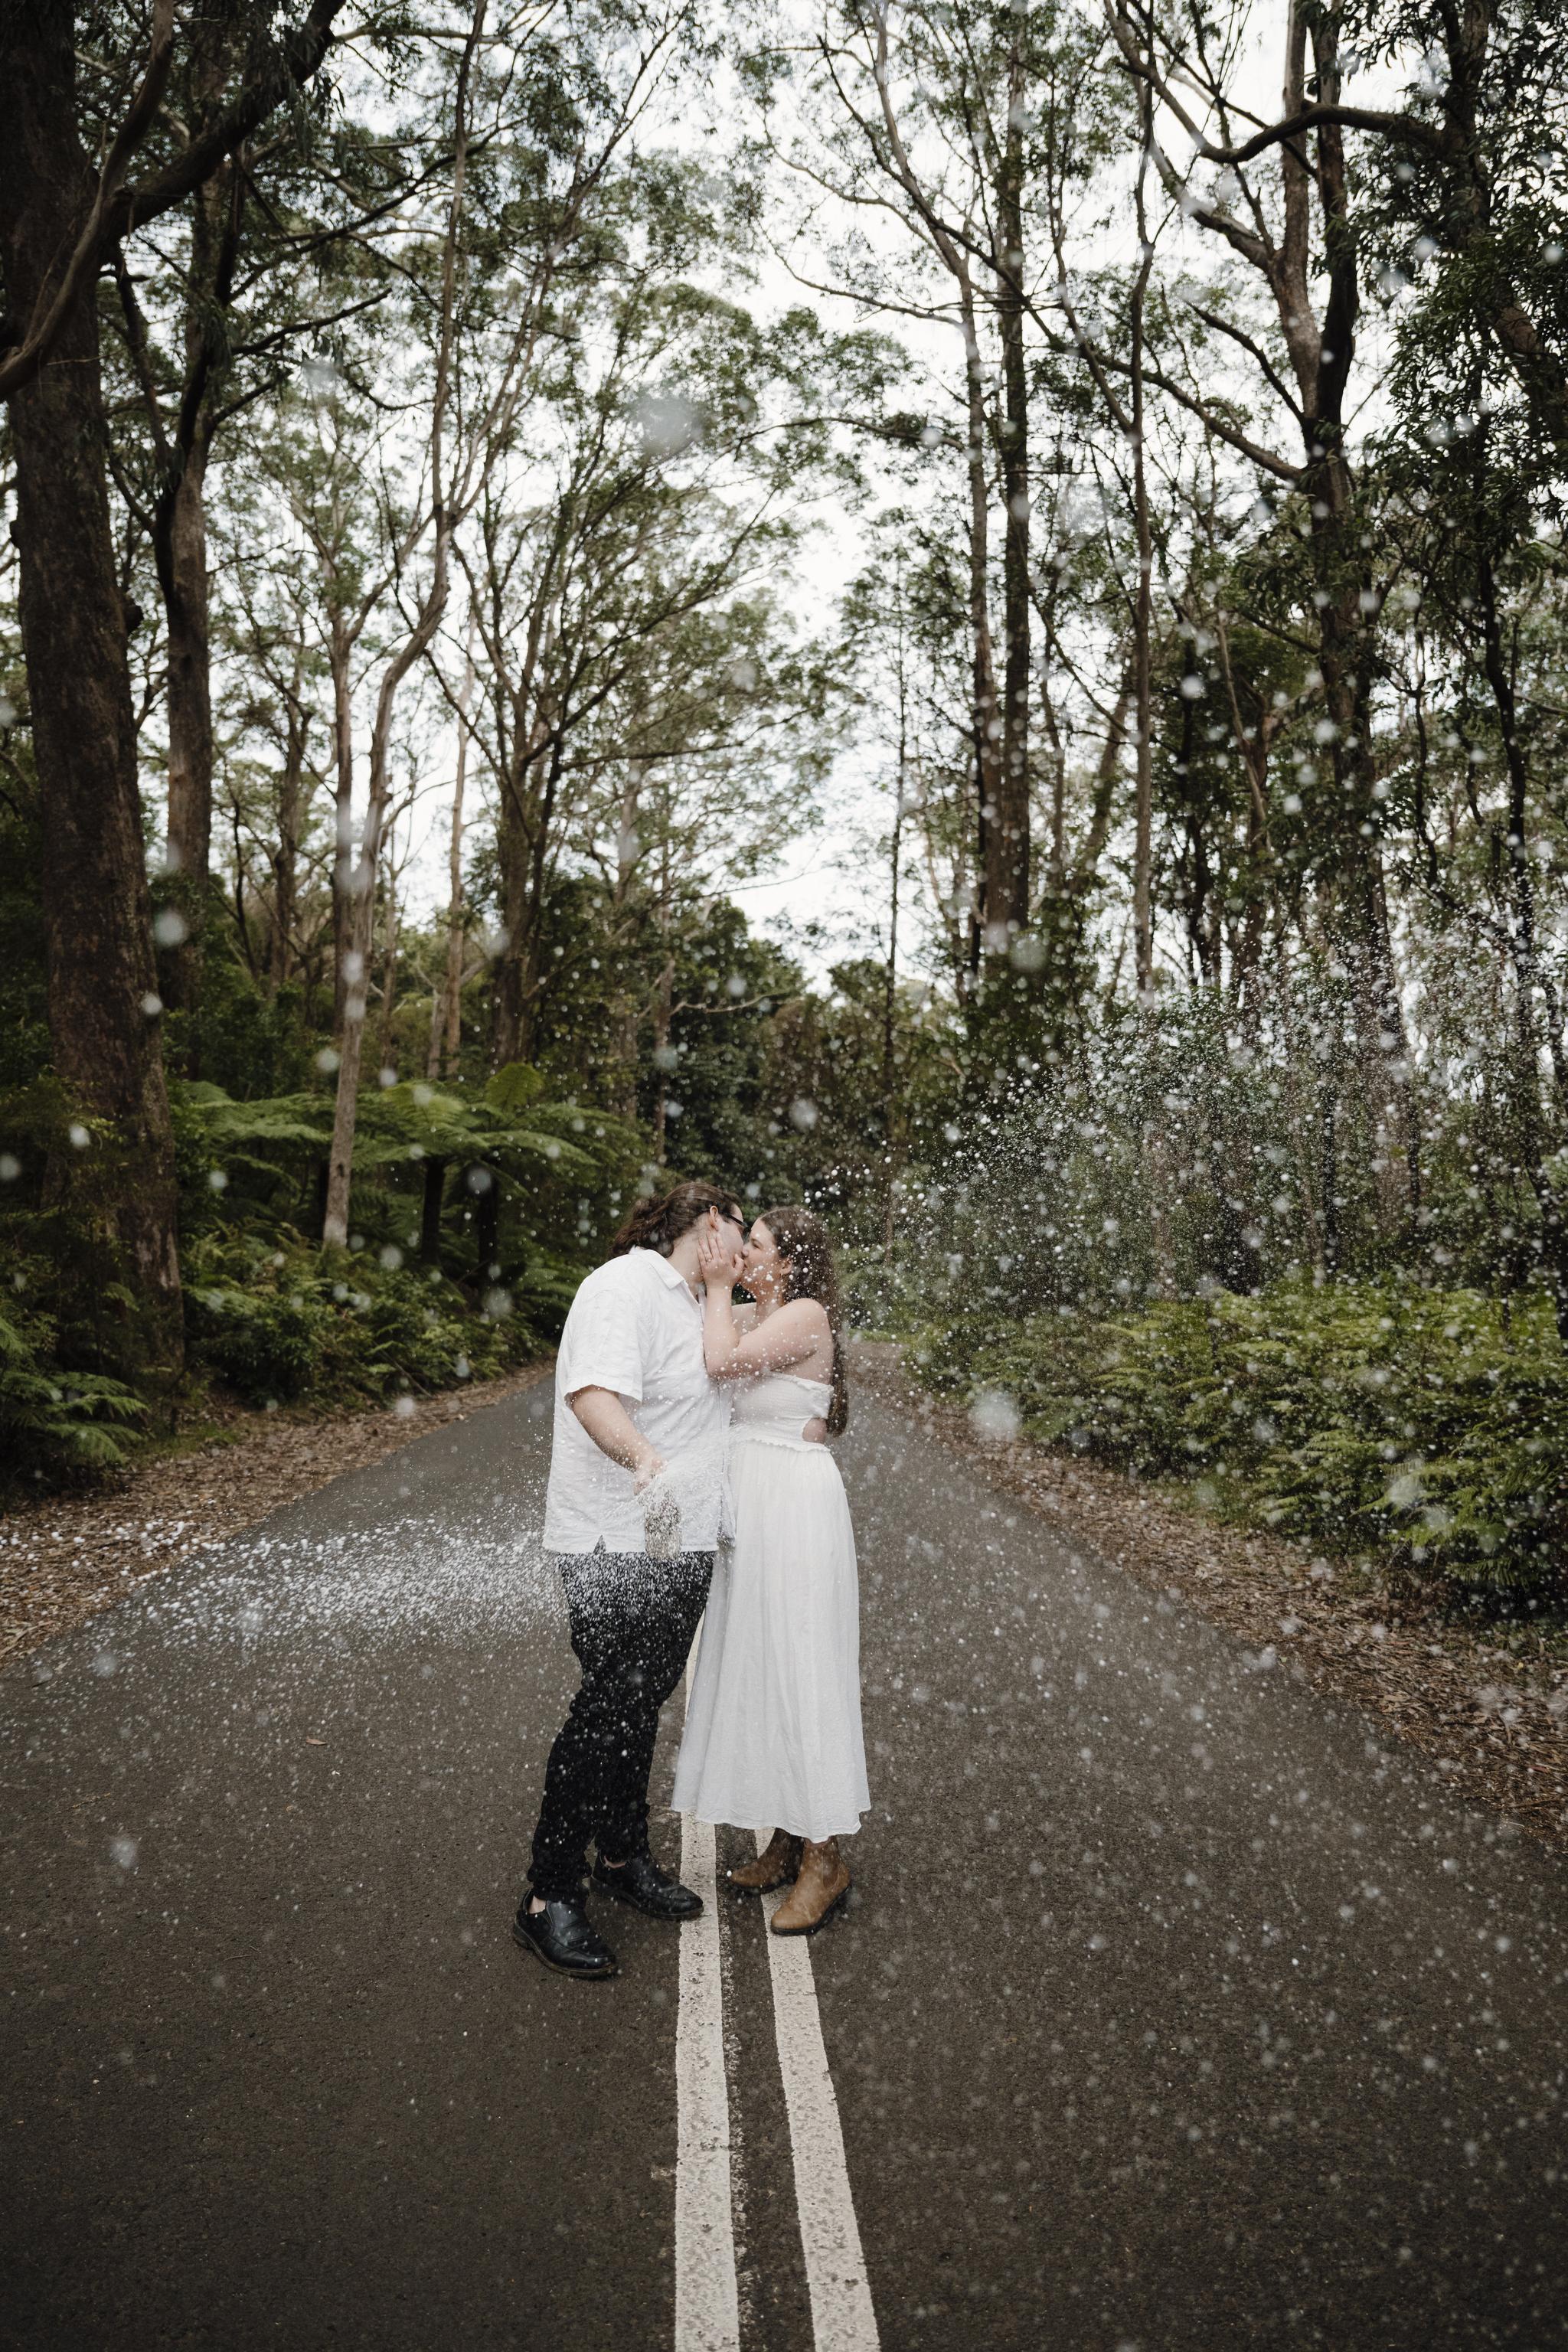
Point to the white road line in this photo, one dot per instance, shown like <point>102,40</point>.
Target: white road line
<point>706,2310</point>
<point>842,2318</point>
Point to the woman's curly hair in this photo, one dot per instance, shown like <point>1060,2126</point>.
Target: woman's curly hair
<point>808,1253</point>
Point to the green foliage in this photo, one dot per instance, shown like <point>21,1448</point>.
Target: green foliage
<point>1419,1429</point>
<point>24,1007</point>
<point>56,1427</point>
<point>290,1322</point>
<point>248,1162</point>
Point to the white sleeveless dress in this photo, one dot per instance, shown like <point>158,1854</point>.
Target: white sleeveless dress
<point>772,1735</point>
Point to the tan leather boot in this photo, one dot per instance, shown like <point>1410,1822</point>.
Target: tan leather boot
<point>821,1884</point>
<point>775,1866</point>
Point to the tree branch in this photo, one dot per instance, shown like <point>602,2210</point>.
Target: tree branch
<point>19,369</point>
<point>301,53</point>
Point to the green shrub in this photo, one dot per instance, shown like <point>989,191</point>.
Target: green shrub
<point>56,1426</point>
<point>264,1341</point>
<point>1423,1429</point>
<point>292,1322</point>
<point>546,1289</point>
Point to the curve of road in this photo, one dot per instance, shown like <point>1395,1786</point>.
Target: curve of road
<point>1174,2009</point>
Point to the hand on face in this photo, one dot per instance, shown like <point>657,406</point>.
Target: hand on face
<point>718,1257</point>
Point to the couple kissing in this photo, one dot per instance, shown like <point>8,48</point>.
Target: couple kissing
<point>689,1473</point>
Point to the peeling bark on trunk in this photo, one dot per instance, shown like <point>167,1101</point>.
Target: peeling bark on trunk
<point>97,911</point>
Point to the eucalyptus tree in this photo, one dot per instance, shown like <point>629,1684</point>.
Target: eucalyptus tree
<point>1287,212</point>
<point>1474,486</point>
<point>613,569</point>
<point>947,118</point>
<point>273,709</point>
<point>217,304</point>
<point>444,1052</point>
<point>62,220</point>
<point>324,500</point>
<point>580,88</point>
<point>429,509</point>
<point>691,779</point>
<point>1467,165</point>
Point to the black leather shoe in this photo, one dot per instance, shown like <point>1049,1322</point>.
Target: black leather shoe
<point>640,1882</point>
<point>561,1937</point>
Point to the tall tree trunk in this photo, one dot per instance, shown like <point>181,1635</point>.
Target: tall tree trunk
<point>487,1222</point>
<point>180,543</point>
<point>345,1112</point>
<point>388,978</point>
<point>984,716</point>
<point>1008,869</point>
<point>361,906</point>
<point>890,983</point>
<point>1530,1125</point>
<point>1143,607</point>
<point>430,1212</point>
<point>664,999</point>
<point>1328,1169</point>
<point>626,1011</point>
<point>525,854</point>
<point>508,986</point>
<point>339,653</point>
<point>97,911</point>
<point>447,1013</point>
<point>1347,579</point>
<point>286,853</point>
<point>1155,1146</point>
<point>180,550</point>
<point>1300,1121</point>
<point>526,812</point>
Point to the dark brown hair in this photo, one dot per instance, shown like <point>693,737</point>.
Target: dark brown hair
<point>658,1224</point>
<point>808,1253</point>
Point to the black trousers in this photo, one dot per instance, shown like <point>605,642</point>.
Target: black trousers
<point>633,1618</point>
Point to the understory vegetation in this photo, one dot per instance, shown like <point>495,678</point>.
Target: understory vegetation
<point>1416,1431</point>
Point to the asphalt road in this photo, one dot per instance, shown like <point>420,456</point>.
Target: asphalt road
<point>1172,2008</point>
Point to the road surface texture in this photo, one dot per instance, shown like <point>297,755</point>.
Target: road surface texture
<point>1172,2010</point>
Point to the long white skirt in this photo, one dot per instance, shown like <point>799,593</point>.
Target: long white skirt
<point>772,1735</point>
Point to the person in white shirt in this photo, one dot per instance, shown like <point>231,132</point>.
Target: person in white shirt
<point>634,1405</point>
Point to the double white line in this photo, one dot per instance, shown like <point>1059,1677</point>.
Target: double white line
<point>707,2307</point>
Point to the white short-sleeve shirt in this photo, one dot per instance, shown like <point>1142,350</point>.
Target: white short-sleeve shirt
<point>636,1327</point>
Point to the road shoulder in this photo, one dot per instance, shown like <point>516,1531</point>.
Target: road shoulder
<point>66,1556</point>
<point>1495,1723</point>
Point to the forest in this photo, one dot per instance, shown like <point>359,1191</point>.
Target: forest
<point>491,490</point>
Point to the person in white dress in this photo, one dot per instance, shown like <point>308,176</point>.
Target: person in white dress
<point>773,1734</point>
